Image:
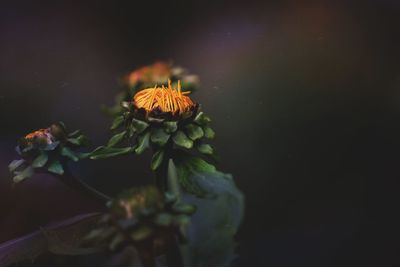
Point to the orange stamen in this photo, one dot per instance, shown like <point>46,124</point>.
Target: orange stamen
<point>166,99</point>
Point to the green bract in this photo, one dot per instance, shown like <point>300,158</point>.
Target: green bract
<point>47,150</point>
<point>158,131</point>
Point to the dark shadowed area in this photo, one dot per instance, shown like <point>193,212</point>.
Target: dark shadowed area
<point>304,97</point>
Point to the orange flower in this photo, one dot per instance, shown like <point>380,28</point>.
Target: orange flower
<point>41,134</point>
<point>164,99</point>
<point>159,72</point>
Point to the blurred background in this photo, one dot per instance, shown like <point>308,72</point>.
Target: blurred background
<point>304,97</point>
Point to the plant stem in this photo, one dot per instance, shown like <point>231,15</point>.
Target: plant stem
<point>162,171</point>
<point>77,184</point>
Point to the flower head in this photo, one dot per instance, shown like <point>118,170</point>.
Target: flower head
<point>142,216</point>
<point>41,135</point>
<point>46,149</point>
<point>130,203</point>
<point>159,72</point>
<point>164,99</point>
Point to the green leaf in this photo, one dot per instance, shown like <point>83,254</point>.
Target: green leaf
<point>74,133</point>
<point>215,222</point>
<point>116,139</point>
<point>78,141</point>
<point>182,140</point>
<point>139,125</point>
<point>194,131</point>
<point>56,167</point>
<point>181,220</point>
<point>40,161</point>
<point>170,126</point>
<point>66,152</point>
<point>194,164</point>
<point>205,149</point>
<point>108,152</point>
<point>163,219</point>
<point>117,122</point>
<point>184,208</point>
<point>15,164</point>
<point>143,143</point>
<point>141,233</point>
<point>188,168</point>
<point>82,155</point>
<point>157,160</point>
<point>208,132</point>
<point>116,241</point>
<point>202,119</point>
<point>159,136</point>
<point>26,173</point>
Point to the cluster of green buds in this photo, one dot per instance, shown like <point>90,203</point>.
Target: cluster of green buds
<point>144,218</point>
<point>164,119</point>
<point>46,150</point>
<point>147,76</point>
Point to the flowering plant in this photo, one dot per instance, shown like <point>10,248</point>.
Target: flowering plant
<point>187,217</point>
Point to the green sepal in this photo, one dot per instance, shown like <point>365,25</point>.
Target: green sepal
<point>117,122</point>
<point>194,131</point>
<point>62,124</point>
<point>66,152</point>
<point>22,175</point>
<point>153,119</point>
<point>56,167</point>
<point>159,136</point>
<point>205,149</point>
<point>116,139</point>
<point>108,152</point>
<point>51,146</point>
<point>156,160</point>
<point>170,126</point>
<point>202,119</point>
<point>40,160</point>
<point>182,140</point>
<point>130,131</point>
<point>139,125</point>
<point>208,132</point>
<point>15,164</point>
<point>143,143</point>
<point>125,104</point>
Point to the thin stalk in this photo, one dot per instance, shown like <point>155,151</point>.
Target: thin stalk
<point>167,181</point>
<point>77,184</point>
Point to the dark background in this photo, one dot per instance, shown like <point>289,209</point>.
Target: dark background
<point>304,96</point>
